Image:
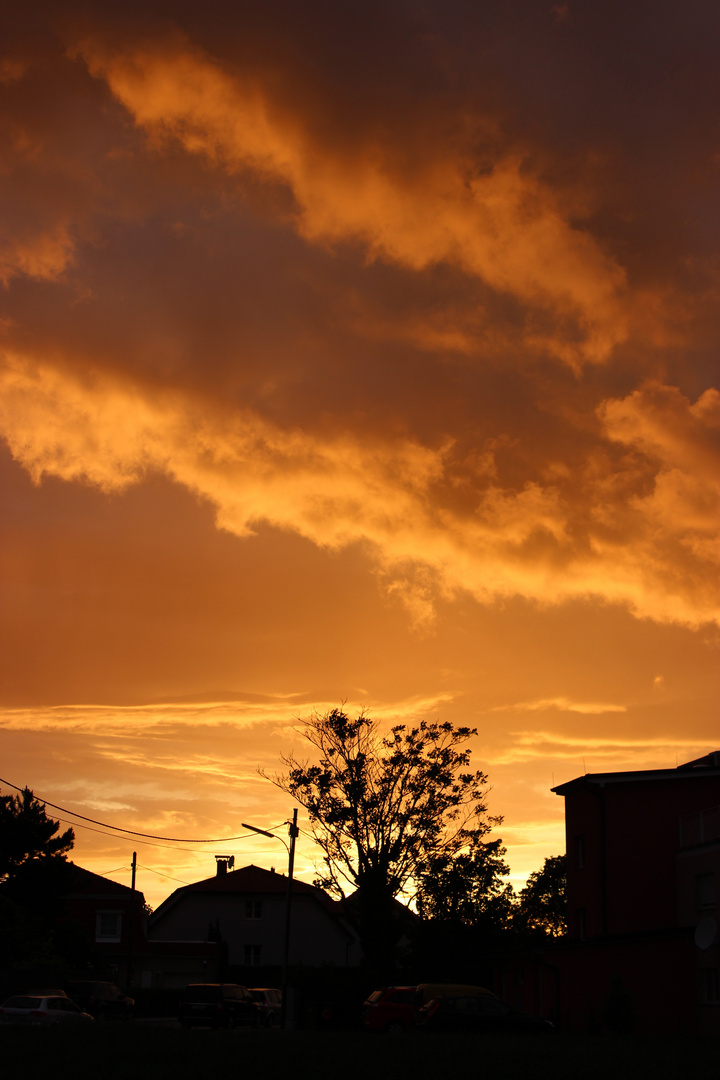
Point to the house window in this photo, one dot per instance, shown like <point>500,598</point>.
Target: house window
<point>705,890</point>
<point>580,851</point>
<point>252,955</point>
<point>709,986</point>
<point>253,909</point>
<point>108,925</point>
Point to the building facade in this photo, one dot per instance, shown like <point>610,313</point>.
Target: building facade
<point>643,867</point>
<point>642,952</point>
<point>246,910</point>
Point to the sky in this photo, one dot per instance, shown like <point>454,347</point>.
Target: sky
<point>353,352</point>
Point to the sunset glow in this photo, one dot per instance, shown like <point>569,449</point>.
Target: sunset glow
<point>353,353</point>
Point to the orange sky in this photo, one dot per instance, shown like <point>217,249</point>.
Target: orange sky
<point>355,352</point>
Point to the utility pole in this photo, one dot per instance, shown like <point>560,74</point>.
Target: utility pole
<point>293,833</point>
<point>131,922</point>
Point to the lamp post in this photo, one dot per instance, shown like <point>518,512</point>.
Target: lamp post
<point>293,832</point>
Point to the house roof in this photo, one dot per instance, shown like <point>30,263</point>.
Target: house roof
<point>251,880</point>
<point>76,879</point>
<point>707,766</point>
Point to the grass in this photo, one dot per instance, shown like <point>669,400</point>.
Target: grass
<point>143,1050</point>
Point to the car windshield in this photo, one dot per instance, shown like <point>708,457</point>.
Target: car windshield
<point>203,993</point>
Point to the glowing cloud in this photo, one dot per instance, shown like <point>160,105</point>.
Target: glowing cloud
<point>340,489</point>
<point>562,704</point>
<point>503,226</point>
<point>43,256</point>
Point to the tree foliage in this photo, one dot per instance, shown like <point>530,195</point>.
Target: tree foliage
<point>467,887</point>
<point>27,835</point>
<point>542,905</point>
<point>385,809</point>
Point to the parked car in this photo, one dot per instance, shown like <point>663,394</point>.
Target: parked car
<point>42,1009</point>
<point>103,1000</point>
<point>431,991</point>
<point>481,1012</point>
<point>269,1004</point>
<point>218,1005</point>
<point>390,1009</point>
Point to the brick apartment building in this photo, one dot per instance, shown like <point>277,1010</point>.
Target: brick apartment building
<point>643,871</point>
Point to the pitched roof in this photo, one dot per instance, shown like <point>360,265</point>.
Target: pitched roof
<point>252,880</point>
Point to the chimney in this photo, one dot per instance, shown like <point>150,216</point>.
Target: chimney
<point>224,863</point>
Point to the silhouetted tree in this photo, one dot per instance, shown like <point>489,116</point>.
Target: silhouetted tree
<point>33,871</point>
<point>385,808</point>
<point>467,887</point>
<point>27,835</point>
<point>541,905</point>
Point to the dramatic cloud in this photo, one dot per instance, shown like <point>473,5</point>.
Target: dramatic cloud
<point>503,226</point>
<point>549,542</point>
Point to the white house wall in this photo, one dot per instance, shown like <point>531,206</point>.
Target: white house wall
<point>316,938</point>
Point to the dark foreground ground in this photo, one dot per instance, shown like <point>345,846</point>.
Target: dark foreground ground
<point>141,1051</point>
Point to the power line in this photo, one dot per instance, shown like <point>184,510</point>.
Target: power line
<point>118,828</point>
<point>160,874</point>
<point>145,843</point>
<point>149,843</point>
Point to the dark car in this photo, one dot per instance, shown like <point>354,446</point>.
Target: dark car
<point>390,1009</point>
<point>218,1005</point>
<point>269,1004</point>
<point>481,1012</point>
<point>103,1000</point>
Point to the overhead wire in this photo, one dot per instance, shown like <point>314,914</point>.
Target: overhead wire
<point>160,874</point>
<point>145,843</point>
<point>130,832</point>
<point>119,828</point>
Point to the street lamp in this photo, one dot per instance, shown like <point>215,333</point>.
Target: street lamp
<point>293,832</point>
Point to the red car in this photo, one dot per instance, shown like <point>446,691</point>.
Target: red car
<point>391,1009</point>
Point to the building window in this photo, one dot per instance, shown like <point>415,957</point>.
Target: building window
<point>709,986</point>
<point>253,909</point>
<point>705,890</point>
<point>108,925</point>
<point>252,955</point>
<point>580,851</point>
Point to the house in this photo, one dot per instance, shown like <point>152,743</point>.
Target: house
<point>643,868</point>
<point>81,924</point>
<point>105,917</point>
<point>246,909</point>
<point>102,925</point>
